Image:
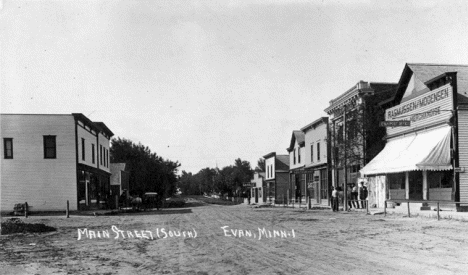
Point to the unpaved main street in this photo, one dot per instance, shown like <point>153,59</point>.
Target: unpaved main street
<point>312,242</point>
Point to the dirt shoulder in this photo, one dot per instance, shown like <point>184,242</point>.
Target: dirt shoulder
<point>301,242</point>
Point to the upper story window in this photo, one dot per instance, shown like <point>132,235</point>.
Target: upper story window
<point>93,152</point>
<point>50,147</point>
<point>83,149</point>
<point>298,155</point>
<point>100,154</point>
<point>312,152</point>
<point>8,148</point>
<point>294,156</point>
<point>318,151</point>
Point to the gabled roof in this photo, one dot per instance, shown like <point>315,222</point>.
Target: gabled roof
<point>296,136</point>
<point>426,72</point>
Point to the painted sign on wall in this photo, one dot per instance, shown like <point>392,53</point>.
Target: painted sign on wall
<point>426,109</point>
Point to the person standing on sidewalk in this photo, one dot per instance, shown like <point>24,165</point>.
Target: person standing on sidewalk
<point>354,196</point>
<point>335,199</point>
<point>363,195</point>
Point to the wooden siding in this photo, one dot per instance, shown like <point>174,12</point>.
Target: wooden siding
<point>445,104</point>
<point>463,153</point>
<point>270,174</point>
<point>46,184</point>
<point>90,139</point>
<point>299,151</point>
<point>312,137</point>
<point>105,145</point>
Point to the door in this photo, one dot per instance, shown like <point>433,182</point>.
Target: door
<point>415,185</point>
<point>256,195</point>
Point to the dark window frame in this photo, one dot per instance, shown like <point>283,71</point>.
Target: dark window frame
<point>93,151</point>
<point>5,150</point>
<point>100,154</point>
<point>54,147</point>
<point>311,152</point>
<point>318,151</point>
<point>83,149</point>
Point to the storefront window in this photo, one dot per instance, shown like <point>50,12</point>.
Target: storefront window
<point>396,181</point>
<point>440,179</point>
<point>323,184</point>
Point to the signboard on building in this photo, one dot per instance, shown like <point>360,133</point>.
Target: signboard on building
<point>423,110</point>
<point>395,123</point>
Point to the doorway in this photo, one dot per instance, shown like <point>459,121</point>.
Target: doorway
<point>415,185</point>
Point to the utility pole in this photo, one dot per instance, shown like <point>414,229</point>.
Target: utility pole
<point>345,191</point>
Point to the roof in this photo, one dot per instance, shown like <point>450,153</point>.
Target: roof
<point>379,90</point>
<point>314,124</point>
<point>426,72</point>
<point>282,162</point>
<point>103,128</point>
<point>269,155</point>
<point>120,166</point>
<point>298,136</point>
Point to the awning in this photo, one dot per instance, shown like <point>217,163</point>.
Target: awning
<point>429,150</point>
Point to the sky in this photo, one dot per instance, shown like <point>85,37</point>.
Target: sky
<point>206,82</point>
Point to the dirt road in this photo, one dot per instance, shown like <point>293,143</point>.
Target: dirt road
<point>301,242</point>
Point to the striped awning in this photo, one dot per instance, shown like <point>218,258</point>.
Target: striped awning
<point>428,150</point>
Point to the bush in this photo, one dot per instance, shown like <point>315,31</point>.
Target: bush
<point>16,225</point>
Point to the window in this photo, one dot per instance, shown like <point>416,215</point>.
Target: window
<point>83,149</point>
<point>298,155</point>
<point>8,148</point>
<point>294,156</point>
<point>108,158</point>
<point>318,151</point>
<point>439,179</point>
<point>93,153</point>
<point>50,147</point>
<point>340,134</point>
<point>100,154</point>
<point>397,181</point>
<point>312,153</point>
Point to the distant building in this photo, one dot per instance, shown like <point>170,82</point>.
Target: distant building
<point>119,180</point>
<point>48,159</point>
<point>297,187</point>
<point>276,177</point>
<point>258,189</point>
<point>427,160</point>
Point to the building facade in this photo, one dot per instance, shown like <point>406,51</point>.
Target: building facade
<point>425,160</point>
<point>316,161</point>
<point>258,188</point>
<point>353,135</point>
<point>51,159</point>
<point>276,177</point>
<point>297,183</point>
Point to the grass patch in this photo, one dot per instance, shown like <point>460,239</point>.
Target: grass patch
<point>15,225</point>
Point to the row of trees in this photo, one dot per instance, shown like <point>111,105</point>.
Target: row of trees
<point>229,180</point>
<point>148,171</point>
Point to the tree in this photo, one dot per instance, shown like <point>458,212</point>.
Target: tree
<point>260,165</point>
<point>148,171</point>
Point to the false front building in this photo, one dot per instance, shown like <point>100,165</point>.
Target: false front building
<point>48,160</point>
<point>276,177</point>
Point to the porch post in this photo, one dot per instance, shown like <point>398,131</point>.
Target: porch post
<point>407,185</point>
<point>425,189</point>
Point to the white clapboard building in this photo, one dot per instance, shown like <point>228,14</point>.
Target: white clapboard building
<point>49,159</point>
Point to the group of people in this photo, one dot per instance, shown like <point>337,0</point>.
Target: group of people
<point>356,197</point>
